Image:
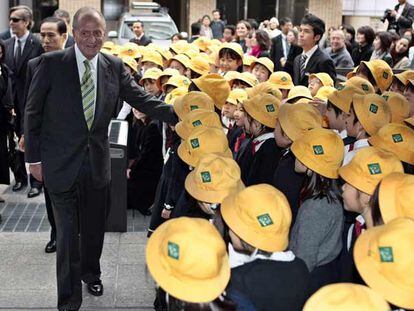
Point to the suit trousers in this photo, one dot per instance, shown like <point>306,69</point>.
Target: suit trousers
<point>80,215</point>
<point>50,214</point>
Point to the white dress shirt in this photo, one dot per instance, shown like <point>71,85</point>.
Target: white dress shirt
<point>359,144</point>
<point>309,54</point>
<point>23,40</point>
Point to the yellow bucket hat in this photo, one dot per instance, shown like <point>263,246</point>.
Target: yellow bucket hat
<point>381,72</point>
<point>192,101</point>
<point>179,46</point>
<point>346,297</point>
<point>372,111</point>
<point>165,54</point>
<point>152,73</point>
<point>264,61</point>
<point>168,72</point>
<point>324,92</point>
<point>177,81</point>
<point>199,65</point>
<point>396,196</point>
<point>108,45</point>
<point>215,86</point>
<point>131,62</point>
<point>297,119</point>
<point>202,43</point>
<point>299,91</point>
<point>384,258</point>
<point>214,179</point>
<point>282,80</point>
<point>264,88</point>
<point>396,138</point>
<point>342,98</point>
<point>248,60</point>
<point>260,215</point>
<point>203,141</point>
<point>129,49</point>
<point>187,257</point>
<point>369,166</point>
<point>231,75</point>
<point>191,51</point>
<point>236,96</point>
<point>352,73</point>
<point>325,79</point>
<point>234,47</point>
<point>198,118</point>
<point>263,108</point>
<point>154,57</point>
<point>247,78</point>
<point>404,76</point>
<point>399,105</point>
<point>181,58</point>
<point>361,84</point>
<point>321,150</point>
<point>175,94</point>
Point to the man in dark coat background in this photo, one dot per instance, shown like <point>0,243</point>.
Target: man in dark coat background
<point>141,38</point>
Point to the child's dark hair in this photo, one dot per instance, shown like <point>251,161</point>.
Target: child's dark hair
<point>264,129</point>
<point>318,187</point>
<point>317,24</point>
<point>368,33</point>
<point>226,52</point>
<point>330,106</point>
<point>366,72</point>
<point>232,28</point>
<point>195,29</point>
<point>194,75</point>
<point>355,116</point>
<point>263,40</point>
<point>385,39</point>
<point>193,87</point>
<point>374,206</point>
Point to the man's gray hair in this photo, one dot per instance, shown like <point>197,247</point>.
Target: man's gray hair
<point>86,11</point>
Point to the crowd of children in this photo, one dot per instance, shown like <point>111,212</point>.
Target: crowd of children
<point>270,196</point>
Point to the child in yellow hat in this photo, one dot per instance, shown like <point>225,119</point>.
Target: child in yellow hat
<point>243,80</point>
<point>317,232</point>
<point>247,61</point>
<point>175,81</point>
<point>409,95</point>
<point>151,59</point>
<point>368,113</point>
<point>262,155</point>
<point>400,81</point>
<point>230,57</point>
<point>317,80</point>
<point>179,62</point>
<point>399,105</point>
<point>293,121</point>
<point>262,68</point>
<point>149,81</point>
<point>198,66</point>
<point>283,82</point>
<point>262,268</point>
<point>377,72</point>
<point>227,112</point>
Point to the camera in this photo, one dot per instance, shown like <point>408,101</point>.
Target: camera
<point>387,16</point>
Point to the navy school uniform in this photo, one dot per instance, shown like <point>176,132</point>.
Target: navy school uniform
<point>171,184</point>
<point>288,181</point>
<point>243,156</point>
<point>233,133</point>
<point>187,206</point>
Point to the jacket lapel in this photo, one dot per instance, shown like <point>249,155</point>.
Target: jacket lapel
<point>103,76</point>
<point>26,51</point>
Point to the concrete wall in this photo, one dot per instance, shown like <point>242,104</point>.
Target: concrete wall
<point>73,5</point>
<point>198,8</point>
<point>328,10</point>
<point>4,15</point>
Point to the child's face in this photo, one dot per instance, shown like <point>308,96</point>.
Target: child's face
<point>229,64</point>
<point>351,128</point>
<point>228,110</point>
<point>335,122</point>
<point>169,89</point>
<point>148,65</point>
<point>252,126</point>
<point>314,85</point>
<point>239,116</point>
<point>150,85</point>
<point>300,167</point>
<point>235,241</point>
<point>177,65</point>
<point>354,200</point>
<point>237,84</point>
<point>282,141</point>
<point>409,95</point>
<point>260,72</point>
<point>397,87</point>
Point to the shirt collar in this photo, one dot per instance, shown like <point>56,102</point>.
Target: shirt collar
<point>361,143</point>
<point>139,38</point>
<point>80,58</point>
<point>23,38</point>
<point>343,134</point>
<point>259,140</point>
<point>311,51</point>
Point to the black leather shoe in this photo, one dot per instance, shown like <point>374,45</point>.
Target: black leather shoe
<point>33,192</point>
<point>50,246</point>
<point>96,288</point>
<point>19,186</point>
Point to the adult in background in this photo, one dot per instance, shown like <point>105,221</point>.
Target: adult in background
<point>382,47</point>
<point>195,32</point>
<point>260,43</point>
<point>19,50</point>
<point>402,17</point>
<point>205,30</point>
<point>399,53</point>
<point>350,41</point>
<point>243,29</point>
<point>280,44</point>
<point>66,137</point>
<point>140,37</point>
<point>217,25</point>
<point>294,51</point>
<point>229,33</point>
<point>312,59</point>
<point>365,37</point>
<point>338,52</point>
<point>65,16</point>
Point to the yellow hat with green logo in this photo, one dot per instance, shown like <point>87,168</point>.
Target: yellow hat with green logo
<point>152,73</point>
<point>192,101</point>
<point>381,72</point>
<point>214,86</point>
<point>399,105</point>
<point>128,49</point>
<point>237,96</point>
<point>247,77</point>
<point>168,72</point>
<point>175,94</point>
<point>264,61</point>
<point>177,81</point>
<point>263,108</point>
<point>404,76</point>
<point>153,57</point>
<point>199,65</point>
<point>324,92</point>
<point>361,84</point>
<point>342,98</point>
<point>197,119</point>
<point>325,79</point>
<point>264,88</point>
<point>299,91</point>
<point>282,80</point>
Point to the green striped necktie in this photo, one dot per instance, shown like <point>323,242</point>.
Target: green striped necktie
<point>88,94</point>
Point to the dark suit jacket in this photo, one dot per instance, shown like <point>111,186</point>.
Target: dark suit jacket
<point>295,50</point>
<point>5,35</point>
<point>406,19</point>
<point>32,49</point>
<point>276,52</point>
<point>70,41</point>
<point>56,132</point>
<point>319,62</point>
<point>143,41</point>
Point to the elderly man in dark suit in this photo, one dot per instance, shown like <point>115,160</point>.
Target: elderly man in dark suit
<point>312,59</point>
<point>141,38</point>
<point>66,137</point>
<point>19,50</point>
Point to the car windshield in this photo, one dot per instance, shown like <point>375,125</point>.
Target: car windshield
<point>157,30</point>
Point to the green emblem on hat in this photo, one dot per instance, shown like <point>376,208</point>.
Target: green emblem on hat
<point>397,138</point>
<point>365,87</point>
<point>185,82</point>
<point>385,75</point>
<point>193,107</point>
<point>373,108</point>
<point>194,143</point>
<point>265,220</point>
<point>205,177</point>
<point>173,250</point>
<point>318,150</point>
<point>340,87</point>
<point>386,254</point>
<point>374,169</point>
<point>197,123</point>
<point>284,79</point>
<point>270,108</point>
<point>385,97</point>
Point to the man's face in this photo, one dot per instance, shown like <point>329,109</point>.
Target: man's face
<point>89,35</point>
<point>17,24</point>
<point>286,27</point>
<point>137,28</point>
<point>51,39</point>
<point>307,38</point>
<point>337,40</point>
<point>227,35</point>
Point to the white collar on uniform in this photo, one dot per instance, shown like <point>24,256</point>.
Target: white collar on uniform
<point>361,143</point>
<point>343,134</point>
<point>259,140</point>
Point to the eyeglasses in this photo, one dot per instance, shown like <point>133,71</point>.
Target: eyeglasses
<point>15,19</point>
